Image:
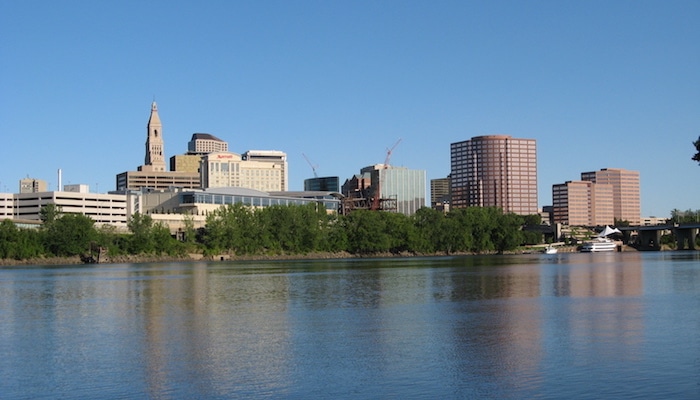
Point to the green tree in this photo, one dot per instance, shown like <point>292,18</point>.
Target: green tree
<point>9,234</point>
<point>190,233</point>
<point>164,242</point>
<point>430,229</point>
<point>141,240</point>
<point>506,232</point>
<point>49,213</point>
<point>366,232</point>
<point>696,143</point>
<point>70,235</point>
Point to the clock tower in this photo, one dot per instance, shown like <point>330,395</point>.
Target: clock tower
<point>155,160</point>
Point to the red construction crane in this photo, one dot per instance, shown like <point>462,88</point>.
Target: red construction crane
<point>378,191</point>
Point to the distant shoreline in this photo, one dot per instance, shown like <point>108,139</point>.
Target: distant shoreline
<point>137,259</point>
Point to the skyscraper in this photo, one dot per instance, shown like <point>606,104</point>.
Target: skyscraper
<point>495,170</point>
<point>582,203</point>
<point>625,191</point>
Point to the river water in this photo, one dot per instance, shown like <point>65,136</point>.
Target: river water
<point>574,326</point>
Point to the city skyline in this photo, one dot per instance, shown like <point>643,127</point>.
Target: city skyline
<point>597,85</point>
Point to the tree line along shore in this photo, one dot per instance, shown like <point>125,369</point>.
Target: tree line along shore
<point>278,232</point>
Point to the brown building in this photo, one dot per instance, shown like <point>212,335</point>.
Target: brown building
<point>599,198</point>
<point>439,192</point>
<point>625,192</point>
<point>582,203</point>
<point>495,170</point>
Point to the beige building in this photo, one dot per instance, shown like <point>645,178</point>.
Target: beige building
<point>185,163</point>
<point>277,158</point>
<point>495,170</point>
<point>155,147</point>
<point>599,198</point>
<point>204,143</point>
<point>104,209</point>
<point>582,203</point>
<point>226,169</point>
<point>625,191</point>
<point>7,208</point>
<point>31,185</point>
<point>135,180</point>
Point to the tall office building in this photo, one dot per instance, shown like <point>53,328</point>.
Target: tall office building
<point>625,192</point>
<point>582,203</point>
<point>495,170</point>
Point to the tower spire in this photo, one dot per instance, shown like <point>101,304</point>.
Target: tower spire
<point>155,159</point>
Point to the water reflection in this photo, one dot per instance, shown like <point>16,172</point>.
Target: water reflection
<point>485,327</point>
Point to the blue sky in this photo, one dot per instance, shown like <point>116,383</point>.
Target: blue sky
<point>598,84</point>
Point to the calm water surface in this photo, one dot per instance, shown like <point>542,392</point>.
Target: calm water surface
<point>583,326</point>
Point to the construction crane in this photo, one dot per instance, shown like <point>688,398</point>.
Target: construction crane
<point>388,153</point>
<point>377,193</point>
<point>313,167</point>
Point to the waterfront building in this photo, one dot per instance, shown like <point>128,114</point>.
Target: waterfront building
<point>173,207</point>
<point>625,191</point>
<point>104,209</point>
<point>582,203</point>
<point>323,184</point>
<point>494,170</point>
<point>7,207</point>
<point>31,185</point>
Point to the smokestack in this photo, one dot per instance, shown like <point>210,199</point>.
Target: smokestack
<point>60,184</point>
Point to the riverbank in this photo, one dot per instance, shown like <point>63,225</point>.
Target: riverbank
<point>135,259</point>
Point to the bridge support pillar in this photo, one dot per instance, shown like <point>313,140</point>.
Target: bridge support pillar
<point>649,240</point>
<point>685,235</point>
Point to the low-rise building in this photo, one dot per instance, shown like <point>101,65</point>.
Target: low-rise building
<point>104,209</point>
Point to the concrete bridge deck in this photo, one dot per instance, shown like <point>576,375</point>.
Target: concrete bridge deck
<point>649,237</point>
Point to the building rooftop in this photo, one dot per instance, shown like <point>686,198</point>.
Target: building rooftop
<point>205,136</point>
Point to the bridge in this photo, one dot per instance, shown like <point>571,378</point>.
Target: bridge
<point>649,237</point>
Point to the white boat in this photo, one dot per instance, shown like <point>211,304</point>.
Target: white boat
<point>599,244</point>
<point>550,250</point>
